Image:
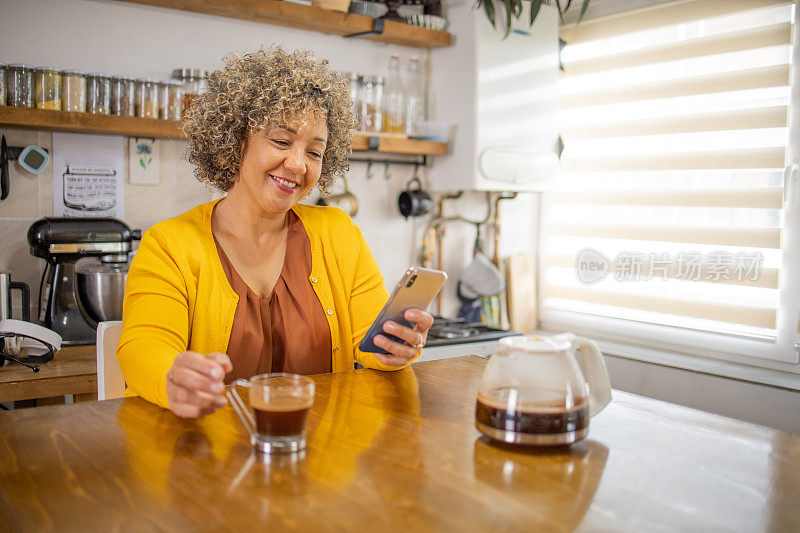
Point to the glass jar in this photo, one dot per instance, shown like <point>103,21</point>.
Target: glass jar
<point>98,93</point>
<point>73,91</point>
<point>19,84</point>
<point>202,80</point>
<point>3,68</point>
<point>194,82</point>
<point>161,87</point>
<point>371,103</point>
<point>47,88</point>
<point>123,96</point>
<point>355,93</point>
<point>171,100</point>
<point>147,98</point>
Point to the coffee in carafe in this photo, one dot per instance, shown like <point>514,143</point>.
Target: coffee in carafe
<point>530,418</point>
<point>533,391</point>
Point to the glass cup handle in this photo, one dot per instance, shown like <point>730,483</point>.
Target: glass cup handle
<point>596,374</point>
<point>238,405</point>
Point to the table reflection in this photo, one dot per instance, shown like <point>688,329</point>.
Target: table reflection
<point>168,454</point>
<point>784,479</point>
<point>345,428</point>
<point>558,483</point>
<point>360,406</point>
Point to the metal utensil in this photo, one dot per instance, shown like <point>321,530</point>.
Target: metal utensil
<point>101,288</point>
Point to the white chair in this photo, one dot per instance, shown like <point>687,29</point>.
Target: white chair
<point>110,381</point>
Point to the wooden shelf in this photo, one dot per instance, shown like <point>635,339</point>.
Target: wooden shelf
<point>312,18</point>
<point>399,145</point>
<point>41,119</point>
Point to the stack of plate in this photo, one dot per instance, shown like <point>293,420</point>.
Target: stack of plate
<point>406,11</point>
<point>432,22</point>
<point>370,9</point>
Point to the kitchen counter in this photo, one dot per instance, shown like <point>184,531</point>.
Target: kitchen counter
<point>73,370</point>
<point>393,451</point>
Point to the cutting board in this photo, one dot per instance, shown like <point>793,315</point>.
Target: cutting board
<point>522,304</point>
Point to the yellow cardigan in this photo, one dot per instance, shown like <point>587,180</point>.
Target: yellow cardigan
<point>177,297</point>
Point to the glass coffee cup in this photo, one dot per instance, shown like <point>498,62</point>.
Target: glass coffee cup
<point>534,393</point>
<point>279,405</point>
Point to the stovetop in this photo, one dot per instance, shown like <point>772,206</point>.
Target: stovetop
<point>447,331</point>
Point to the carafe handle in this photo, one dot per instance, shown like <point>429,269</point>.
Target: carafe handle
<point>238,405</point>
<point>596,374</point>
<point>26,298</point>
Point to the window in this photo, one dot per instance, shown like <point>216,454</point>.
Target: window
<point>676,224</point>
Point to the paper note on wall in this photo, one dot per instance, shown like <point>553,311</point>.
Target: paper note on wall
<point>88,175</point>
<point>143,165</point>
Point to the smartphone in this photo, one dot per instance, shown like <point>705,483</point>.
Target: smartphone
<point>416,289</point>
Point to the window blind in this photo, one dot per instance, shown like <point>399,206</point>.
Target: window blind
<point>670,209</point>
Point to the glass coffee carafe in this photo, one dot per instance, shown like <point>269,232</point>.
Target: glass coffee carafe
<point>533,391</point>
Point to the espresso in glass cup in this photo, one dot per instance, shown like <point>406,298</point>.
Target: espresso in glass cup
<point>279,405</point>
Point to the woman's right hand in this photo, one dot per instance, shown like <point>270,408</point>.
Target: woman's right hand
<point>195,385</point>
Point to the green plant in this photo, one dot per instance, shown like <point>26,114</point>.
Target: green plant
<point>513,8</point>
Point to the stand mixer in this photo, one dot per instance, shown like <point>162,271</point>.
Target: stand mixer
<point>73,300</point>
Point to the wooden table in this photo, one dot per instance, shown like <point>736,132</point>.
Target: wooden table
<point>393,452</point>
<point>73,370</point>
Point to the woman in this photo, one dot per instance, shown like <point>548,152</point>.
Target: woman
<point>257,282</point>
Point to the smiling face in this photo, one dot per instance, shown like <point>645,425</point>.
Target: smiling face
<point>280,165</point>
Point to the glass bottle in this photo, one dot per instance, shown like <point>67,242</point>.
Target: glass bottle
<point>19,83</point>
<point>47,88</point>
<point>415,97</point>
<point>73,91</point>
<point>123,96</point>
<point>371,103</point>
<point>394,95</point>
<point>98,93</point>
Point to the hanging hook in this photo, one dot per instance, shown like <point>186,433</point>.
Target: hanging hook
<point>478,245</point>
<point>416,172</point>
<point>386,174</point>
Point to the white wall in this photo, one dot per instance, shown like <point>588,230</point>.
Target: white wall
<point>760,404</point>
<point>142,41</point>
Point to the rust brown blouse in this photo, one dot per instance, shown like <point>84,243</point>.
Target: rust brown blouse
<point>287,332</point>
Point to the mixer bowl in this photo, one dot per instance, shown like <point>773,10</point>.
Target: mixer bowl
<point>101,288</point>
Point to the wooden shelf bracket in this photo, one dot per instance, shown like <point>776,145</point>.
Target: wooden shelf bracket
<point>378,25</point>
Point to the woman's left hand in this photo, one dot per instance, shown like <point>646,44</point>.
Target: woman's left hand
<point>403,353</point>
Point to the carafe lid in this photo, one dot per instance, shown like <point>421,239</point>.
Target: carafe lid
<point>534,343</point>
